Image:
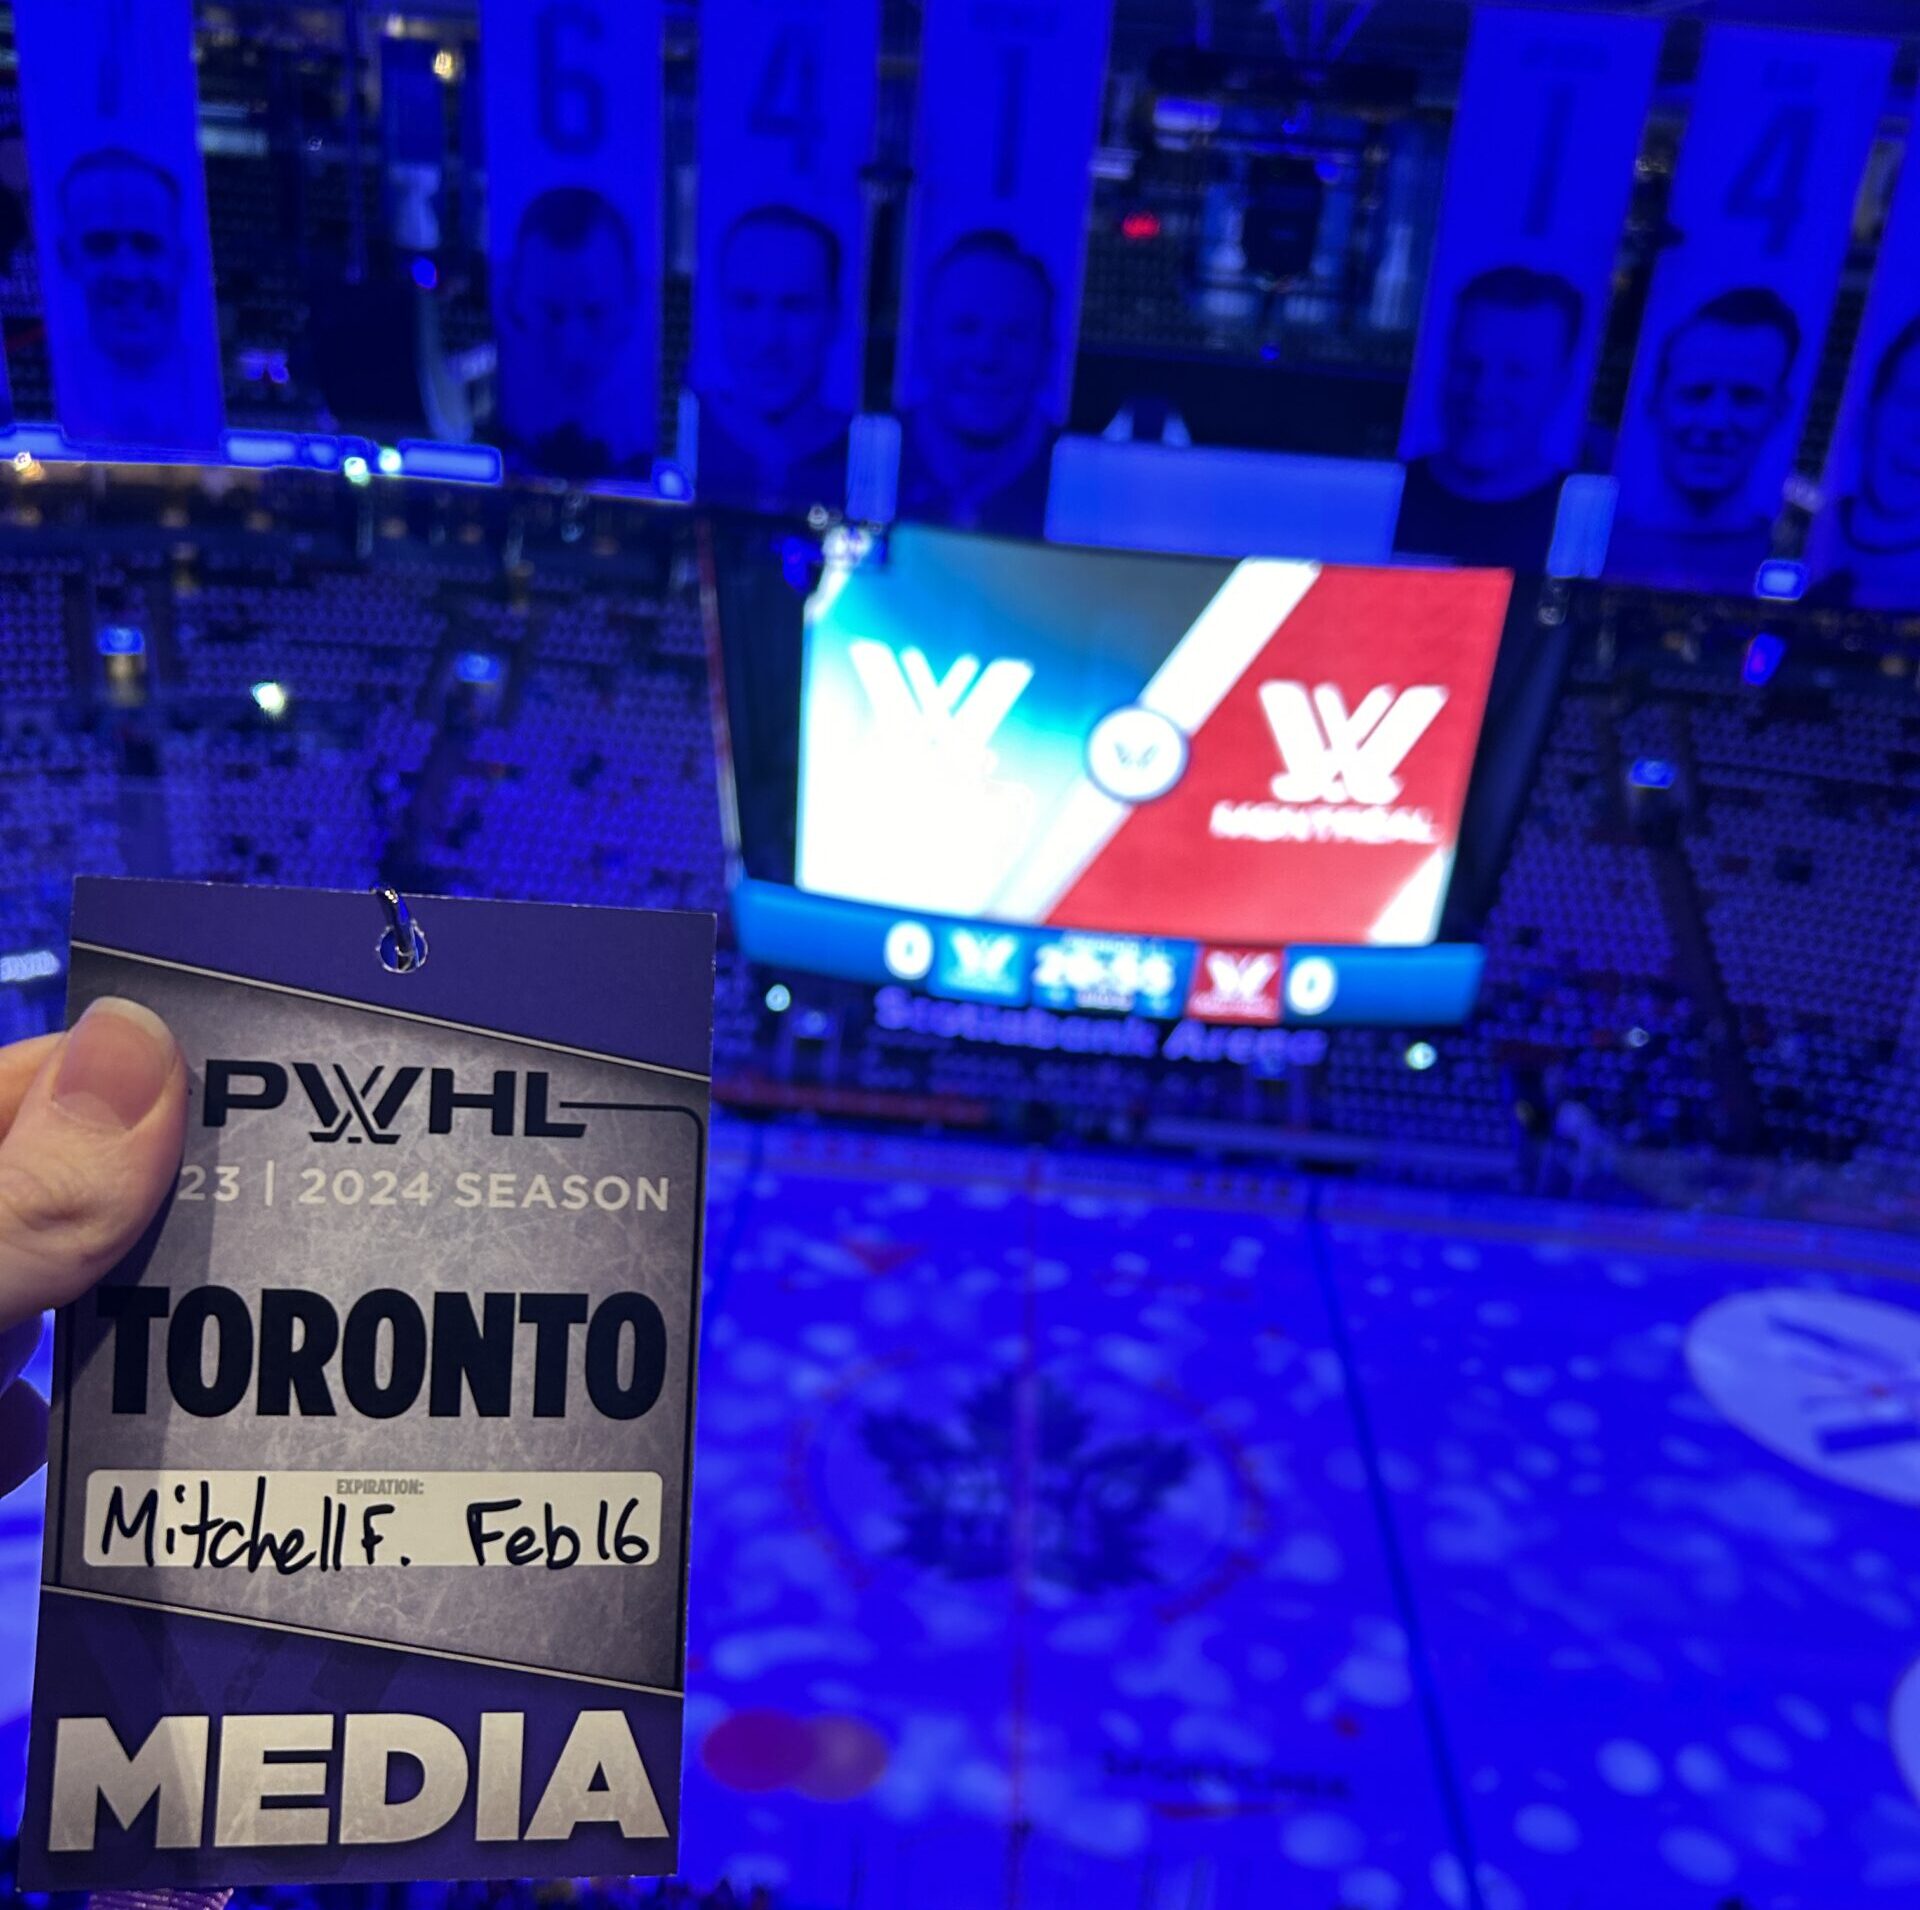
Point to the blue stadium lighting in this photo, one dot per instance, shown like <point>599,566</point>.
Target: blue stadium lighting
<point>31,965</point>
<point>1781,580</point>
<point>478,666</point>
<point>260,448</point>
<point>272,698</point>
<point>779,998</point>
<point>1763,658</point>
<point>1651,772</point>
<point>389,461</point>
<point>450,463</point>
<point>355,470</point>
<point>120,640</point>
<point>426,274</point>
<point>1421,1056</point>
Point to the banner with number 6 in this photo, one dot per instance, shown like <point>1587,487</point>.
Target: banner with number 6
<point>1009,110</point>
<point>574,194</point>
<point>1539,169</point>
<point>1762,216</point>
<point>787,91</point>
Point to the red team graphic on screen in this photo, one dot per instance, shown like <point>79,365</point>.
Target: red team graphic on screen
<point>1322,798</point>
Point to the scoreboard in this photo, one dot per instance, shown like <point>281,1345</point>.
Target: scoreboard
<point>1113,783</point>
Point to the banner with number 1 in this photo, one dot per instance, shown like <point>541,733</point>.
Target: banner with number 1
<point>1762,216</point>
<point>1009,114</point>
<point>1538,174</point>
<point>574,177</point>
<point>120,216</point>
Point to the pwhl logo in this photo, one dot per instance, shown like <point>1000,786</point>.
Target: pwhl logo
<point>1236,985</point>
<point>370,1108</point>
<point>1340,776</point>
<point>983,958</point>
<point>956,715</point>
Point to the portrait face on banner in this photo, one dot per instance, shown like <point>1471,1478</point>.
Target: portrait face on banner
<point>780,309</point>
<point>987,342</point>
<point>1539,169</point>
<point>575,179</point>
<point>573,298</point>
<point>120,211</point>
<point>1509,361</point>
<point>1890,462</point>
<point>1738,309</point>
<point>769,439</point>
<point>120,239</point>
<point>995,255</point>
<point>786,129</point>
<point>1864,546</point>
<point>1720,394</point>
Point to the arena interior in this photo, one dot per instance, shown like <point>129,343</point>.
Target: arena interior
<point>1141,1461</point>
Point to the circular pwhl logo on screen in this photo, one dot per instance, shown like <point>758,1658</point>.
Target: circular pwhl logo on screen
<point>1136,754</point>
<point>1830,1381</point>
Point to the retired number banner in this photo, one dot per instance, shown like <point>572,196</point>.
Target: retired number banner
<point>1762,205</point>
<point>1009,115</point>
<point>574,194</point>
<point>787,91</point>
<point>120,213</point>
<point>1538,174</point>
<point>1865,544</point>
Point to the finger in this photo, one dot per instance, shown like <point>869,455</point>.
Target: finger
<point>18,1065</point>
<point>23,1435</point>
<point>90,1155</point>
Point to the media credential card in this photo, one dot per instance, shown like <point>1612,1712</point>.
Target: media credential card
<point>367,1498</point>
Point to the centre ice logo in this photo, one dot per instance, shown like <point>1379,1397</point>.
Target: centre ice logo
<point>1339,777</point>
<point>1094,1501</point>
<point>956,715</point>
<point>1829,1381</point>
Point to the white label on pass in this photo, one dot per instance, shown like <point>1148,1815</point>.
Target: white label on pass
<point>288,1522</point>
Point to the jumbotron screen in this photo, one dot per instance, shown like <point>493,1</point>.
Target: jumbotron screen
<point>1124,782</point>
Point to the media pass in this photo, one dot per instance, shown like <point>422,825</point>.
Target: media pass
<point>366,1536</point>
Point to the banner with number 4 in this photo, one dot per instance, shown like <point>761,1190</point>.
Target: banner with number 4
<point>1762,215</point>
<point>786,127</point>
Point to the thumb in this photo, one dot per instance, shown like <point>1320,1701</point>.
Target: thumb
<point>90,1156</point>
